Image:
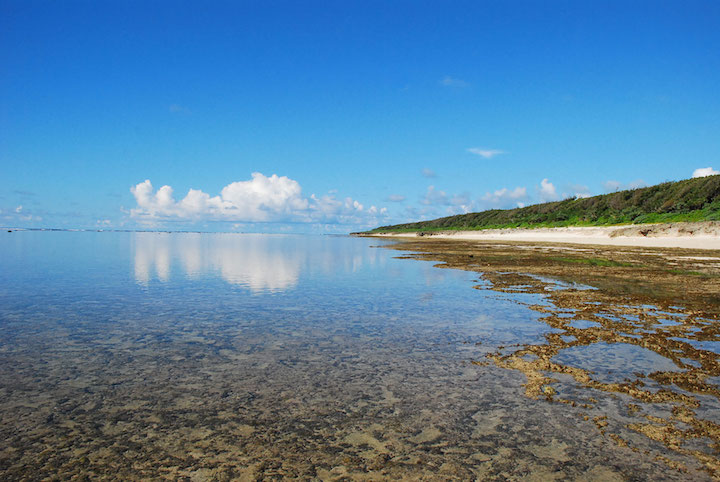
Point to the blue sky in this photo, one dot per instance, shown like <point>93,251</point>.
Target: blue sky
<point>335,116</point>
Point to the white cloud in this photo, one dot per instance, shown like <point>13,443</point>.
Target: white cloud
<point>455,204</point>
<point>433,197</point>
<point>460,204</point>
<point>260,199</point>
<point>19,213</point>
<point>505,198</point>
<point>705,171</point>
<point>547,191</point>
<point>463,203</point>
<point>264,197</point>
<point>429,173</point>
<point>448,81</point>
<point>395,198</point>
<point>486,153</point>
<point>612,186</point>
<point>579,191</point>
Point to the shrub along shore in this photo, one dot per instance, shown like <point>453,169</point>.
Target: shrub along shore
<point>691,200</point>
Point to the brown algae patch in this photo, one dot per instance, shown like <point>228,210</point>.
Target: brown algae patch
<point>660,302</point>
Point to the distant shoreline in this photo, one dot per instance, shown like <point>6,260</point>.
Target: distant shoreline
<point>699,235</point>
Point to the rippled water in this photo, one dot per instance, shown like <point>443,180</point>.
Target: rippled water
<point>223,356</point>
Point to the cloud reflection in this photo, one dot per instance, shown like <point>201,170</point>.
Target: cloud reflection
<point>260,263</point>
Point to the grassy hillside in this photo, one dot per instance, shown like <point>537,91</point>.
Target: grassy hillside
<point>689,200</point>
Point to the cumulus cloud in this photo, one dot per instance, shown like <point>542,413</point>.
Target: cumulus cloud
<point>434,196</point>
<point>18,213</point>
<point>579,191</point>
<point>704,172</point>
<point>454,204</point>
<point>464,203</point>
<point>460,204</point>
<point>448,81</point>
<point>547,191</point>
<point>611,186</point>
<point>505,198</point>
<point>429,173</point>
<point>486,153</point>
<point>260,199</point>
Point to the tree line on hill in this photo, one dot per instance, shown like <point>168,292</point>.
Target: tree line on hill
<point>689,200</point>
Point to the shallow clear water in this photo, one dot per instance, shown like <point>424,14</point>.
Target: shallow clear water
<point>220,356</point>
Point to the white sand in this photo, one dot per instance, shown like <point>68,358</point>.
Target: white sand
<point>704,235</point>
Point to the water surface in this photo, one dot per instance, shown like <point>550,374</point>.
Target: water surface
<point>223,356</point>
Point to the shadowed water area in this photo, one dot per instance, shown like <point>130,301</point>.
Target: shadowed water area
<point>224,356</point>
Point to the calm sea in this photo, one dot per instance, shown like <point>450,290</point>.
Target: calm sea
<point>230,356</point>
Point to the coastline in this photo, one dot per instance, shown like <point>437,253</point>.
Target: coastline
<point>659,303</point>
<point>699,235</point>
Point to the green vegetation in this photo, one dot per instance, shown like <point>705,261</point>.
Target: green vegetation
<point>689,200</point>
<point>596,262</point>
<point>690,273</point>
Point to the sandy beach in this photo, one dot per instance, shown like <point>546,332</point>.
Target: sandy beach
<point>701,235</point>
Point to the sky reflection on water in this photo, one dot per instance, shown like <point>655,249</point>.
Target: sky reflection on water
<point>231,356</point>
<point>259,263</point>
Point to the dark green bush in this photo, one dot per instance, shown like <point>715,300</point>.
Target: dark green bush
<point>689,200</point>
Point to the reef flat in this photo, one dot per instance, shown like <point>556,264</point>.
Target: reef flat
<point>606,305</point>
